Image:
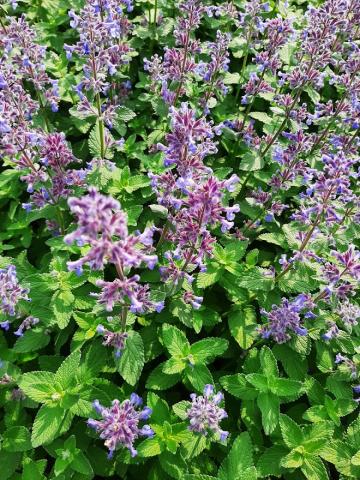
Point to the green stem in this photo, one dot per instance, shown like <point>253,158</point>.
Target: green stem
<point>163,234</point>
<point>155,13</point>
<point>124,309</point>
<point>101,127</point>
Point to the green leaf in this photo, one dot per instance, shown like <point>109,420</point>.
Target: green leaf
<point>259,381</point>
<point>239,458</point>
<point>238,386</point>
<point>204,351</point>
<point>157,380</point>
<point>181,408</point>
<point>355,459</point>
<point>66,373</point>
<point>193,446</point>
<point>256,279</point>
<point>31,341</point>
<point>124,114</point>
<point>33,470</point>
<point>47,425</point>
<point>231,78</point>
<point>294,459</point>
<point>16,439</point>
<point>291,432</point>
<point>261,117</point>
<point>95,142</point>
<point>160,409</point>
<point>132,360</point>
<point>198,476</point>
<point>270,409</point>
<point>242,323</point>
<point>62,304</point>
<point>314,469</point>
<point>175,341</point>
<point>199,376</point>
<point>39,386</point>
<point>150,447</point>
<point>251,162</point>
<point>173,465</point>
<point>315,435</point>
<point>269,462</point>
<point>174,365</point>
<point>9,462</point>
<point>212,275</point>
<point>268,363</point>
<point>294,364</point>
<point>284,387</point>
<point>81,464</point>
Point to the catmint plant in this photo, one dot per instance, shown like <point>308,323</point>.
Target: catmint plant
<point>102,226</point>
<point>120,423</point>
<point>205,414</point>
<point>103,50</point>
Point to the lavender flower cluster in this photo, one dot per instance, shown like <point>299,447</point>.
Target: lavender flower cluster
<point>11,292</point>
<point>205,414</point>
<point>181,64</point>
<point>192,195</point>
<point>102,226</point>
<point>120,423</point>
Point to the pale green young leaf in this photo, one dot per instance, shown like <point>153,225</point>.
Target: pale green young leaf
<point>314,469</point>
<point>270,409</point>
<point>39,386</point>
<point>66,374</point>
<point>268,363</point>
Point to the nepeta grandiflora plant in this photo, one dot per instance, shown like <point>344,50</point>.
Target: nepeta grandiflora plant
<point>180,183</point>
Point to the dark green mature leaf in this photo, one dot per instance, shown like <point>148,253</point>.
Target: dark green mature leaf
<point>16,439</point>
<point>199,376</point>
<point>238,386</point>
<point>49,423</point>
<point>157,380</point>
<point>132,359</point>
<point>238,460</point>
<point>242,324</point>
<point>204,351</point>
<point>291,432</point>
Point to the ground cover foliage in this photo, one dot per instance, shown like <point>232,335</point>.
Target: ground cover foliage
<point>179,239</point>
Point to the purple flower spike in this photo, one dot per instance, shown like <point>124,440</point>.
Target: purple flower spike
<point>120,424</point>
<point>285,318</point>
<point>205,414</point>
<point>11,291</point>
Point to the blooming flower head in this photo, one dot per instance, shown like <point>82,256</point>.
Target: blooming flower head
<point>113,339</point>
<point>120,423</point>
<point>26,324</point>
<point>103,226</point>
<point>205,414</point>
<point>11,291</point>
<point>283,319</point>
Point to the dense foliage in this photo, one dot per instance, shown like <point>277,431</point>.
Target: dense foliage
<point>179,263</point>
